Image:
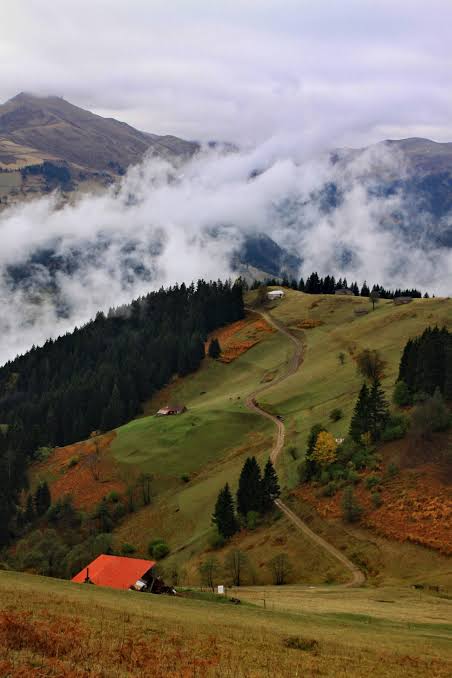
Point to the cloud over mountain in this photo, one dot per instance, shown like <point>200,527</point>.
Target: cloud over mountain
<point>60,263</point>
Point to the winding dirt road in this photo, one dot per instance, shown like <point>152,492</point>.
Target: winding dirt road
<point>357,576</point>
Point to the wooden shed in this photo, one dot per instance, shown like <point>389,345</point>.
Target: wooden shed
<point>169,410</point>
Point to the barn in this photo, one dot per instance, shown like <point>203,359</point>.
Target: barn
<point>170,410</point>
<point>345,291</point>
<point>275,294</point>
<point>117,572</point>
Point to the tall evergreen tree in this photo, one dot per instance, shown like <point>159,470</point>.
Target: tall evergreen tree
<point>249,493</point>
<point>365,291</point>
<point>114,413</point>
<point>214,350</point>
<point>448,373</point>
<point>270,487</point>
<point>311,466</point>
<point>360,419</point>
<point>224,516</point>
<point>30,514</point>
<point>378,410</point>
<point>42,498</point>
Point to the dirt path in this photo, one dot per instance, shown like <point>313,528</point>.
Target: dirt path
<point>251,403</point>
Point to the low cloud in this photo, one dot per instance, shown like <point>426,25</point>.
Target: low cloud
<point>60,264</point>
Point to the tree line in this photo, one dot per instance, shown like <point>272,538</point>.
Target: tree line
<point>97,377</point>
<point>426,365</point>
<point>315,284</point>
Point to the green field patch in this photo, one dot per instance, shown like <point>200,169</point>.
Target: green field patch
<point>184,443</point>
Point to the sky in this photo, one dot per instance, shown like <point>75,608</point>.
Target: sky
<point>343,72</point>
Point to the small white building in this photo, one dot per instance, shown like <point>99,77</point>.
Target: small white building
<point>275,294</point>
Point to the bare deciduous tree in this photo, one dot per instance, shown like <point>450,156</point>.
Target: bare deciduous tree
<point>370,364</point>
<point>209,571</point>
<point>93,458</point>
<point>144,482</point>
<point>374,298</point>
<point>280,568</point>
<point>236,565</point>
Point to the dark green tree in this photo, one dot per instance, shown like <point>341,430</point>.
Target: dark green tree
<point>103,516</point>
<point>360,419</point>
<point>365,291</point>
<point>30,514</point>
<point>310,466</point>
<point>350,507</point>
<point>378,411</point>
<point>270,487</point>
<point>42,499</point>
<point>249,493</point>
<point>224,516</point>
<point>214,350</point>
<point>113,414</point>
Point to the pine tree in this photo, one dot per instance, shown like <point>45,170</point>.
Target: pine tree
<point>360,418</point>
<point>249,493</point>
<point>223,516</point>
<point>365,291</point>
<point>214,350</point>
<point>378,411</point>
<point>448,373</point>
<point>113,413</point>
<point>42,498</point>
<point>270,487</point>
<point>311,467</point>
<point>30,514</point>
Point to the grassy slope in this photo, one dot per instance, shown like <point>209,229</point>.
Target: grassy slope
<point>210,442</point>
<point>71,627</point>
<point>322,383</point>
<point>212,439</point>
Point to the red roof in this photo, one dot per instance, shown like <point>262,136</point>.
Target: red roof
<point>116,572</point>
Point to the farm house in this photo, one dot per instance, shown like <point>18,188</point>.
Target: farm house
<point>116,572</point>
<point>275,294</point>
<point>119,572</point>
<point>171,410</point>
<point>345,291</point>
<point>399,301</point>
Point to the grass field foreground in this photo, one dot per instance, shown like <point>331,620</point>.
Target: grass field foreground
<point>54,628</point>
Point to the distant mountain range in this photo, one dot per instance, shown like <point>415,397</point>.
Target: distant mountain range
<point>48,143</point>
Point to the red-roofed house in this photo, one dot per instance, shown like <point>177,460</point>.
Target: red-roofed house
<point>117,572</point>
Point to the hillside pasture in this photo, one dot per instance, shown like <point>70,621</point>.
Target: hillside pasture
<point>323,383</point>
<point>50,627</point>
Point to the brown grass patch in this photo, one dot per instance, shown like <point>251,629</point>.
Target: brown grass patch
<point>49,637</point>
<point>103,633</point>
<point>308,324</point>
<point>416,504</point>
<point>69,472</point>
<point>51,645</point>
<point>239,337</point>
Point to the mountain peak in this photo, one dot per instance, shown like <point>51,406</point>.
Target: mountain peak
<point>32,97</point>
<point>49,126</point>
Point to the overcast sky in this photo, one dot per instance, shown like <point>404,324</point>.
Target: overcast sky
<point>338,71</point>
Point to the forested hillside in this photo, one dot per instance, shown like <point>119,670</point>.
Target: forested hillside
<point>98,376</point>
<point>426,363</point>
